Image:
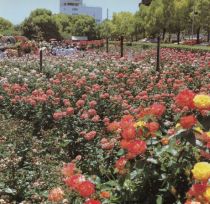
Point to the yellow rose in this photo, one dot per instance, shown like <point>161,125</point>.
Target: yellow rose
<point>207,193</point>
<point>201,171</point>
<point>139,124</point>
<point>198,129</point>
<point>202,101</point>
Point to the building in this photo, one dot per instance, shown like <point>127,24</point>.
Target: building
<point>76,7</point>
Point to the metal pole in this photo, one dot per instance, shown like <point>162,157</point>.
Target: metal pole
<point>158,54</point>
<point>107,45</point>
<point>121,45</point>
<point>41,57</point>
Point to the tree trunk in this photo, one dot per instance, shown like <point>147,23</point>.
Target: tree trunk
<point>208,36</point>
<point>198,36</point>
<point>164,33</point>
<point>169,39</point>
<point>132,38</point>
<point>178,37</point>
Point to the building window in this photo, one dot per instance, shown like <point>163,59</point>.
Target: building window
<point>73,4</point>
<point>74,9</point>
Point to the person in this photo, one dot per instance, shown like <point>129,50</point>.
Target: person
<point>2,55</point>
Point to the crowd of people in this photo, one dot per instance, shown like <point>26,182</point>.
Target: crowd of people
<point>55,48</point>
<point>51,48</point>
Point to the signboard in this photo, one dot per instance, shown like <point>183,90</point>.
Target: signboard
<point>79,38</point>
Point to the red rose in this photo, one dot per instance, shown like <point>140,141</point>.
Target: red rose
<point>126,121</point>
<point>91,201</point>
<point>86,189</point>
<point>197,189</point>
<point>129,133</point>
<point>69,111</point>
<point>153,126</point>
<point>74,181</point>
<point>188,121</point>
<point>90,135</point>
<point>185,98</point>
<point>137,147</point>
<point>158,109</point>
<point>120,163</point>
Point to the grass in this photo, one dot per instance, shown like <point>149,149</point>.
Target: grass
<point>197,48</point>
<point>144,45</point>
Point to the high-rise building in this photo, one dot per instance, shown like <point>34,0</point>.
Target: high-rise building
<point>76,7</point>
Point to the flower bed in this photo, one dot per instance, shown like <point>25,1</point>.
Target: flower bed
<point>125,133</point>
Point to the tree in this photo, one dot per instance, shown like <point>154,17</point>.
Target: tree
<point>124,24</point>
<point>201,15</point>
<point>84,26</point>
<point>180,18</point>
<point>140,21</point>
<point>106,29</point>
<point>146,2</point>
<point>65,23</point>
<point>6,27</point>
<point>39,12</point>
<point>41,25</point>
<point>168,15</point>
<point>154,20</point>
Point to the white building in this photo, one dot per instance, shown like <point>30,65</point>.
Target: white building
<point>76,7</point>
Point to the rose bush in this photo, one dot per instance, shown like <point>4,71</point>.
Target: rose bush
<point>128,133</point>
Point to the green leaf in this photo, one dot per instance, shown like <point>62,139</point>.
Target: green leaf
<point>133,174</point>
<point>159,199</point>
<point>10,191</point>
<point>120,152</point>
<point>152,160</point>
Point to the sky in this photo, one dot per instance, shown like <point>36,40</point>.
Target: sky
<point>17,10</point>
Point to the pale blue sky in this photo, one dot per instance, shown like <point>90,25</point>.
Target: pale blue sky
<point>17,10</point>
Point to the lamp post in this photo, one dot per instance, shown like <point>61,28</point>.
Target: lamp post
<point>121,46</point>
<point>158,54</point>
<point>107,44</point>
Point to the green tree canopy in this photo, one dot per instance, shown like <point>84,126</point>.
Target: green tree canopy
<point>41,24</point>
<point>106,29</point>
<point>6,27</point>
<point>123,24</point>
<point>84,26</point>
<point>65,23</point>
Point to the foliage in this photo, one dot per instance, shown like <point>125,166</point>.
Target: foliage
<point>84,26</point>
<point>41,25</point>
<point>6,27</point>
<point>123,24</point>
